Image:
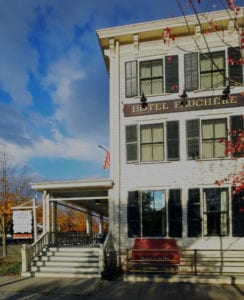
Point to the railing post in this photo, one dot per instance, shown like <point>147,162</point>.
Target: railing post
<point>195,261</point>
<point>26,259</point>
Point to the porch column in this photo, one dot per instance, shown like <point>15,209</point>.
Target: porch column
<point>100,228</point>
<point>47,214</point>
<point>44,199</point>
<point>54,220</point>
<point>88,223</point>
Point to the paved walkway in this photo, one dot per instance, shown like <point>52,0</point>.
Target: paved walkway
<point>13,288</point>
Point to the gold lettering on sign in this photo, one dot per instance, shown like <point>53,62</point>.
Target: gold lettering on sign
<point>207,101</point>
<point>216,101</point>
<point>233,99</point>
<point>136,108</point>
<point>177,104</point>
<point>199,102</point>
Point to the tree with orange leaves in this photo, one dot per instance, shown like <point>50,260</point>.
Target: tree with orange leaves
<point>14,190</point>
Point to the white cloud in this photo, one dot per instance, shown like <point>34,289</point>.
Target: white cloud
<point>67,148</point>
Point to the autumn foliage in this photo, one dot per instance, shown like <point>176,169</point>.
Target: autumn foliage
<point>234,147</point>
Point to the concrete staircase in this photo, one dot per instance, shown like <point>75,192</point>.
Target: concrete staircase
<point>69,262</point>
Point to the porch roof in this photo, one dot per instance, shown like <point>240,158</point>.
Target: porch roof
<point>83,193</point>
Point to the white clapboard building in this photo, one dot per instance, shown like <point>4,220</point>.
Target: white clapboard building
<point>176,89</point>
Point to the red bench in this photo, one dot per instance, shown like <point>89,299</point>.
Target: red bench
<point>156,249</point>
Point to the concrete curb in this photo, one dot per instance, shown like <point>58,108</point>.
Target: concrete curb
<point>201,279</point>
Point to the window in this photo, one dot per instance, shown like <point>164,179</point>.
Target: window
<point>194,221</point>
<point>154,77</point>
<point>208,70</point>
<point>175,213</point>
<point>131,143</point>
<point>192,139</point>
<point>152,142</point>
<point>146,213</point>
<point>212,70</point>
<point>238,214</point>
<point>215,221</point>
<point>151,77</point>
<point>153,213</point>
<point>212,132</point>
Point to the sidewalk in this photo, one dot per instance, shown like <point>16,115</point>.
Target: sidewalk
<point>13,288</point>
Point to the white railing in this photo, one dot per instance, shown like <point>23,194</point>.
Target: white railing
<point>30,251</point>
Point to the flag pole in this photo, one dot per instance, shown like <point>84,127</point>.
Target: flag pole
<point>105,149</point>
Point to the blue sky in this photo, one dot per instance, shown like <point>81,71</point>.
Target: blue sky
<point>54,84</point>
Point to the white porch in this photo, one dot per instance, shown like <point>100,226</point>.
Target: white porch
<point>90,197</point>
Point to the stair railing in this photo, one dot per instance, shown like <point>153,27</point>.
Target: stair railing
<point>28,252</point>
<point>109,263</point>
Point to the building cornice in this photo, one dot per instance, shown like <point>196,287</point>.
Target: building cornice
<point>153,29</point>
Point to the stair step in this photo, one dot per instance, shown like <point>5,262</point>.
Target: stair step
<point>66,275</point>
<point>74,249</point>
<point>67,258</point>
<point>66,264</point>
<point>73,262</point>
<point>87,270</point>
<point>79,254</point>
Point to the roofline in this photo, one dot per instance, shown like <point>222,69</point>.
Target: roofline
<point>161,23</point>
<point>70,184</point>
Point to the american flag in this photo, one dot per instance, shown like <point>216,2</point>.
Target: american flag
<point>106,164</point>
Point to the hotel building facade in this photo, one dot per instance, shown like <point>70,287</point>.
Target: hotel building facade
<point>168,114</point>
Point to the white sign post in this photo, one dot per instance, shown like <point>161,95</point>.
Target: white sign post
<point>22,219</point>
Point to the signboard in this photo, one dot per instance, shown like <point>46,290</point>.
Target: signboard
<point>170,106</point>
<point>22,221</point>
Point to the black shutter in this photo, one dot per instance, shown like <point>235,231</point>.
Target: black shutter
<point>175,213</point>
<point>235,66</point>
<point>194,220</point>
<point>172,74</point>
<point>131,78</point>
<point>131,143</point>
<point>237,127</point>
<point>191,71</point>
<point>238,214</point>
<point>173,140</point>
<point>192,139</point>
<point>133,214</point>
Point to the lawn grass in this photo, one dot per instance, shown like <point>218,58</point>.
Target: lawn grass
<point>10,265</point>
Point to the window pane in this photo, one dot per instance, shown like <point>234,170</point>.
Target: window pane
<point>146,152</point>
<point>207,129</point>
<point>158,152</point>
<point>206,64</point>
<point>157,86</point>
<point>157,69</point>
<point>206,81</point>
<point>146,134</point>
<point>218,80</point>
<point>158,133</point>
<point>220,128</point>
<point>207,149</point>
<point>146,87</point>
<point>219,149</point>
<point>145,70</point>
<point>219,60</point>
